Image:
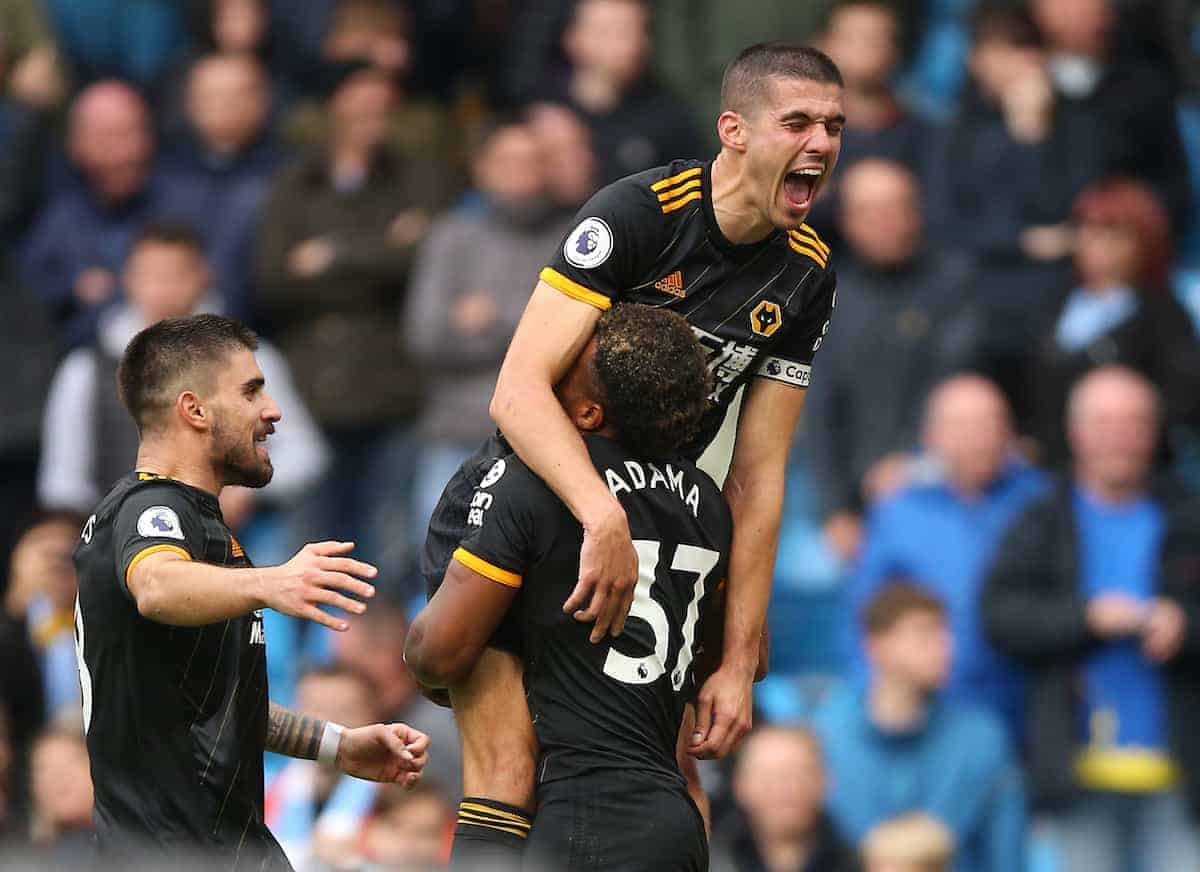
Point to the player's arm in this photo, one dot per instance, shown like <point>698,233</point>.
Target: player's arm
<point>447,637</point>
<point>553,331</point>
<point>171,588</point>
<point>378,752</point>
<point>754,490</point>
<point>689,769</point>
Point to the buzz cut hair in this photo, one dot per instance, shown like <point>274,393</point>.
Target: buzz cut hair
<point>746,80</point>
<point>163,357</point>
<point>651,376</point>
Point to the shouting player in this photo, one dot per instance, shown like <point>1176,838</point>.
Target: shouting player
<point>724,244</point>
<point>172,658</point>
<point>607,717</point>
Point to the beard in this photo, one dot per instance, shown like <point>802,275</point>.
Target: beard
<point>238,460</point>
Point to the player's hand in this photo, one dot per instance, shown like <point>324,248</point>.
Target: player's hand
<point>724,713</point>
<point>384,752</point>
<point>608,572</point>
<point>312,579</point>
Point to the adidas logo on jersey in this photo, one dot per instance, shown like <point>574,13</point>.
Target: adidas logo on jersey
<point>672,284</point>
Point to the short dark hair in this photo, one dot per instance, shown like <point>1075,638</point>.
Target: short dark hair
<point>652,376</point>
<point>159,356</point>
<point>896,600</point>
<point>746,76</point>
<point>168,231</point>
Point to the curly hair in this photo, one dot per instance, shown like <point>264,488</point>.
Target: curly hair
<point>653,378</point>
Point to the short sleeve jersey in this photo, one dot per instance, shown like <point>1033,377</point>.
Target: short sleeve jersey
<point>760,309</point>
<point>618,704</point>
<point>175,716</point>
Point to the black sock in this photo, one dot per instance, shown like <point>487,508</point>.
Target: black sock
<point>490,836</point>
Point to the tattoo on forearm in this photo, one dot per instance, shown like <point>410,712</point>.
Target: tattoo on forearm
<point>292,734</point>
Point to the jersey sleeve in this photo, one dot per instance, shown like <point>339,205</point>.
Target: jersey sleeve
<point>152,520</point>
<point>609,248</point>
<point>507,521</point>
<point>790,359</point>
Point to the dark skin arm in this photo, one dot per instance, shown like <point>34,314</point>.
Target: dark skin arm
<point>450,633</point>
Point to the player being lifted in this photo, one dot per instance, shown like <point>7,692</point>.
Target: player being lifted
<point>607,716</point>
<point>168,627</point>
<point>724,244</point>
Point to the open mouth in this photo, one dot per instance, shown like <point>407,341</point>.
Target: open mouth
<point>260,440</point>
<point>800,186</point>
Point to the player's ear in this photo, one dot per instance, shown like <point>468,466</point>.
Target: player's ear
<point>589,416</point>
<point>192,411</point>
<point>731,128</point>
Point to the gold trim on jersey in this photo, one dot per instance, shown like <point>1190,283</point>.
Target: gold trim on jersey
<point>153,549</point>
<point>808,244</point>
<point>663,184</point>
<point>573,289</point>
<point>668,208</point>
<point>807,228</point>
<point>516,819</point>
<point>487,570</point>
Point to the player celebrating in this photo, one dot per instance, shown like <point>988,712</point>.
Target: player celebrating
<point>607,716</point>
<point>172,659</point>
<point>725,245</point>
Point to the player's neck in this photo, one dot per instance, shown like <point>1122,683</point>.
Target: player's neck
<point>739,219</point>
<point>158,457</point>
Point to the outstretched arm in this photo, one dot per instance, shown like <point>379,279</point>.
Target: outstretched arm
<point>378,752</point>
<point>553,331</point>
<point>755,491</point>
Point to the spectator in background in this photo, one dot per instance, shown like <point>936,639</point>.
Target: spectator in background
<point>944,525</point>
<point>780,824</point>
<point>470,286</point>
<point>376,34</point>
<point>1134,100</point>
<point>340,230</point>
<point>695,39</point>
<point>61,788</point>
<point>85,231</point>
<point>30,56</point>
<point>865,40</point>
<point>910,843</point>
<point>901,746</point>
<point>635,124</point>
<point>1096,590</point>
<point>113,38</point>
<point>239,27</point>
<point>227,156</point>
<point>41,597</point>
<point>89,440</point>
<point>408,830</point>
<point>905,320</point>
<point>1009,168</point>
<point>1122,311</point>
<point>567,156</point>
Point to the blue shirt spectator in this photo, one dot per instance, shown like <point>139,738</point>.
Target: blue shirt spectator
<point>944,528</point>
<point>226,159</point>
<point>76,248</point>
<point>900,746</point>
<point>1095,590</point>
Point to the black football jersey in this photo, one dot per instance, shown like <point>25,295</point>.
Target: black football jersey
<point>175,716</point>
<point>618,704</point>
<point>759,310</point>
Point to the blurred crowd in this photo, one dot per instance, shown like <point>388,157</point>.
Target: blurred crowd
<point>986,618</point>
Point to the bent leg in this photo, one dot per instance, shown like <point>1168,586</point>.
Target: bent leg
<point>499,754</point>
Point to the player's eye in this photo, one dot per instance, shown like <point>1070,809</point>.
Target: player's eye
<point>834,128</point>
